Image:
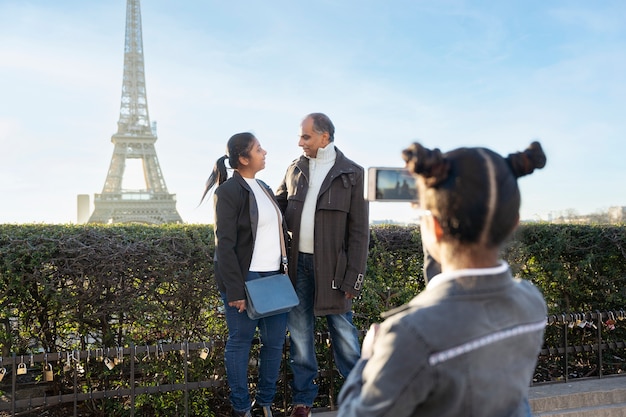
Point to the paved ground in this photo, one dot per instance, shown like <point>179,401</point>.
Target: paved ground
<point>551,390</point>
<point>571,387</point>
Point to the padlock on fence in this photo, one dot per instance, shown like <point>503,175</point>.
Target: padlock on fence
<point>21,369</point>
<point>120,357</point>
<point>204,353</point>
<point>99,355</point>
<point>109,363</point>
<point>3,372</point>
<point>48,375</point>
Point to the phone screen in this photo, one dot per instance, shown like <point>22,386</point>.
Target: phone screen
<point>391,184</point>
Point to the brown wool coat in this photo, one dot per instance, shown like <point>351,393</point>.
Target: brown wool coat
<point>341,230</point>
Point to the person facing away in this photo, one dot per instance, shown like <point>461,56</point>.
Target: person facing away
<point>322,198</point>
<point>468,344</point>
<point>247,247</point>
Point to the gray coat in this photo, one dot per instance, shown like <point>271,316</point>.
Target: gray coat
<point>466,346</point>
<point>341,230</point>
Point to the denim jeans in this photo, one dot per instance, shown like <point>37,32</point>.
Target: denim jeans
<point>301,325</point>
<point>241,331</point>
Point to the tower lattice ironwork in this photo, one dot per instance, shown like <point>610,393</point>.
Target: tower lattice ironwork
<point>134,139</point>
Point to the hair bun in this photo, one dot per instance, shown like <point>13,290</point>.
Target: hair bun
<point>429,164</point>
<point>524,163</point>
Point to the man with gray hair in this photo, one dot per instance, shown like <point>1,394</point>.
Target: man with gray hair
<point>322,198</point>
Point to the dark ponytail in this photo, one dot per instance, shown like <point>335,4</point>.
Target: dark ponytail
<point>238,145</point>
<point>524,163</point>
<point>218,176</point>
<point>430,164</point>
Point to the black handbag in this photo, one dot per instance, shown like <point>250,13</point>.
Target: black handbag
<point>273,294</point>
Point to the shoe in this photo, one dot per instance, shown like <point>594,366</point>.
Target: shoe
<point>267,411</point>
<point>261,410</point>
<point>242,413</point>
<point>301,411</point>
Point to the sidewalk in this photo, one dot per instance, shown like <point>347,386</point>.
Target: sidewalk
<point>551,396</point>
<point>604,397</point>
<point>609,383</point>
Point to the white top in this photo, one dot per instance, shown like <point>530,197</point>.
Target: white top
<point>318,169</point>
<point>266,254</point>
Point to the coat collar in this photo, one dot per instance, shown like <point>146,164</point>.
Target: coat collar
<point>440,279</point>
<point>497,276</point>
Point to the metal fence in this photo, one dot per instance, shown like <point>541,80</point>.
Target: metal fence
<point>32,377</point>
<point>578,345</point>
<point>582,345</point>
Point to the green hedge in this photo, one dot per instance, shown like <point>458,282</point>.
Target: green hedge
<point>72,287</point>
<point>578,268</point>
<point>66,288</point>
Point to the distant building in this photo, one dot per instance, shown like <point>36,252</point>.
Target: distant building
<point>617,214</point>
<point>613,215</point>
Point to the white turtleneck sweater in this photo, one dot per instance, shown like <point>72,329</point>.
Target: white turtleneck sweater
<point>318,169</point>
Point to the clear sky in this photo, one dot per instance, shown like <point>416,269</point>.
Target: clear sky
<point>447,73</point>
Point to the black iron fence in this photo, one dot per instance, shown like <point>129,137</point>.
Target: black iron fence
<point>577,345</point>
<point>582,345</point>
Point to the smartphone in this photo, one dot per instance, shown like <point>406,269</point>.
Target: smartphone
<point>391,184</point>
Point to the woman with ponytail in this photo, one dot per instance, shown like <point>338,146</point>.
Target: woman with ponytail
<point>468,344</point>
<point>247,247</point>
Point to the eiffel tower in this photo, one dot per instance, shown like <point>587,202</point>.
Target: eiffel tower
<point>134,139</point>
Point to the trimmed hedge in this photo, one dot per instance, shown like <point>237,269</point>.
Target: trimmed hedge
<point>65,288</point>
<point>75,286</point>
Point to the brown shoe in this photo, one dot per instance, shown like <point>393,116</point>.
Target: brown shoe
<point>301,411</point>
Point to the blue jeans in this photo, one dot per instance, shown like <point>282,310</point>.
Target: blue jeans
<point>301,325</point>
<point>241,331</point>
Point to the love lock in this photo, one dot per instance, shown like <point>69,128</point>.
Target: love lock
<point>48,375</point>
<point>109,363</point>
<point>3,372</point>
<point>21,369</point>
<point>204,353</point>
<point>120,357</point>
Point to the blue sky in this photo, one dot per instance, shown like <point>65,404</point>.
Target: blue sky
<point>445,73</point>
